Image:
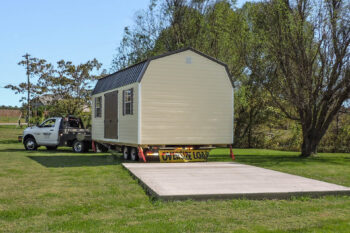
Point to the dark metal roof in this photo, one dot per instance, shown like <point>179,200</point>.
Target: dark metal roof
<point>135,72</point>
<point>120,78</point>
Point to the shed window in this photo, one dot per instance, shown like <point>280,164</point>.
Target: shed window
<point>128,102</point>
<point>98,106</point>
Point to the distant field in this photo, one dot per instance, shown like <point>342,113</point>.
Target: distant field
<point>10,115</point>
<point>4,119</point>
<point>61,191</point>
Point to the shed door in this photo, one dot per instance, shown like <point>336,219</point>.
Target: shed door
<point>111,115</point>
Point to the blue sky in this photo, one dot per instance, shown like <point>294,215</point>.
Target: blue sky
<point>77,30</point>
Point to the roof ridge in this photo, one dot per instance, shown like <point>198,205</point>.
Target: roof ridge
<point>150,58</point>
<point>123,69</point>
<point>153,58</point>
<point>167,54</point>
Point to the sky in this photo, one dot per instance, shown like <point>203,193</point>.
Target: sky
<point>77,31</point>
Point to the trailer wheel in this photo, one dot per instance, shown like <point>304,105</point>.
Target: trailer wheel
<point>133,154</point>
<point>30,144</point>
<point>79,146</point>
<point>126,152</point>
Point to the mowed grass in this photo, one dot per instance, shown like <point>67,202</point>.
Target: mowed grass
<point>10,133</point>
<point>66,192</point>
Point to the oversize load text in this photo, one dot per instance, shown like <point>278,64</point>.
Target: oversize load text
<point>183,155</point>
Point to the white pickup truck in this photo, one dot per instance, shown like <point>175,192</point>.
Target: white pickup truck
<point>58,131</point>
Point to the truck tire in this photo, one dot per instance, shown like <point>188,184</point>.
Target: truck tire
<point>133,154</point>
<point>30,144</point>
<point>51,147</point>
<point>126,152</point>
<point>79,146</point>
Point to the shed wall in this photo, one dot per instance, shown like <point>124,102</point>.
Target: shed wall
<point>127,124</point>
<point>186,99</point>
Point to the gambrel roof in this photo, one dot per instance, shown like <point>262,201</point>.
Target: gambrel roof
<point>120,78</point>
<point>135,72</point>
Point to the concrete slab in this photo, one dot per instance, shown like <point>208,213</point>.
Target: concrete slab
<point>221,180</point>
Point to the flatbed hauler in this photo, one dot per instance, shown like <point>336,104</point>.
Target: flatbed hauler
<point>58,131</point>
<point>167,106</point>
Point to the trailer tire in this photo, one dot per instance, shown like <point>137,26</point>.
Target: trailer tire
<point>133,154</point>
<point>51,147</point>
<point>79,146</point>
<point>126,152</point>
<point>30,144</point>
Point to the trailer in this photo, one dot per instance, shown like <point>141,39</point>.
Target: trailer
<point>173,107</point>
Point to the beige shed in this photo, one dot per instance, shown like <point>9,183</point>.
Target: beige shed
<point>179,98</point>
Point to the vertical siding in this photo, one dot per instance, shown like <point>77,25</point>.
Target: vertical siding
<point>127,124</point>
<point>186,103</point>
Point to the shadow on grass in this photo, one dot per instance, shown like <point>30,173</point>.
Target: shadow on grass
<point>272,160</point>
<point>13,150</point>
<point>267,160</point>
<point>9,141</point>
<point>76,160</point>
<point>258,159</point>
<point>43,151</point>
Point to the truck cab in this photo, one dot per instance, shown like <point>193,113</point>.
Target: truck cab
<point>58,131</point>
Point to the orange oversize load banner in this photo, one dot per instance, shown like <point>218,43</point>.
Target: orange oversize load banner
<point>181,156</point>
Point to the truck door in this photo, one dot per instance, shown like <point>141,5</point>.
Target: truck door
<point>48,132</point>
<point>111,115</point>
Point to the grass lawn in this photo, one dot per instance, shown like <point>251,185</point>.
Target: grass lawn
<point>65,192</point>
<point>9,133</point>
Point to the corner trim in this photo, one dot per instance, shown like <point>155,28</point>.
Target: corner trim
<point>139,114</point>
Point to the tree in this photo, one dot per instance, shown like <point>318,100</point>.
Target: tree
<point>251,111</point>
<point>139,40</point>
<point>337,138</point>
<point>212,27</point>
<point>71,85</point>
<point>66,85</point>
<point>307,71</point>
<point>252,102</point>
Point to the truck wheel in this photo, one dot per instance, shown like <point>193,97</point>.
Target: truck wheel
<point>51,147</point>
<point>133,154</point>
<point>126,152</point>
<point>78,146</point>
<point>30,144</point>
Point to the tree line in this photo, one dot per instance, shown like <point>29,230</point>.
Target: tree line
<point>289,59</point>
<point>289,62</point>
<point>9,107</point>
